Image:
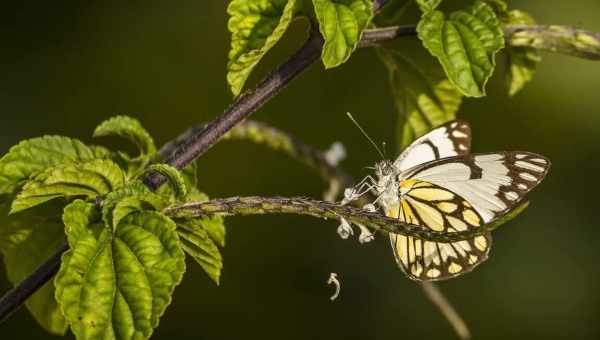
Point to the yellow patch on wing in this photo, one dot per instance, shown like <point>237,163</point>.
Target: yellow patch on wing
<point>431,194</point>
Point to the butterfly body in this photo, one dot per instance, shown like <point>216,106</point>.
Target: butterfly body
<point>438,184</point>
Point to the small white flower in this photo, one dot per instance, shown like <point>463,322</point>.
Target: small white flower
<point>344,230</point>
<point>335,154</point>
<point>365,234</point>
<point>333,280</point>
<point>369,207</point>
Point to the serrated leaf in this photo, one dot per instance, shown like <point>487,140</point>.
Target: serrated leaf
<point>255,26</point>
<point>427,6</point>
<point>34,155</point>
<point>174,176</point>
<point>89,179</point>
<point>465,44</point>
<point>198,243</point>
<point>341,23</point>
<point>130,129</point>
<point>522,61</point>
<point>116,285</point>
<point>26,241</point>
<point>424,97</point>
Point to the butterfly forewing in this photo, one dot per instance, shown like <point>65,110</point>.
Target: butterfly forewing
<point>447,140</point>
<point>439,209</point>
<point>493,183</point>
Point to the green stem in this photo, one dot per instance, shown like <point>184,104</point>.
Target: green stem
<point>255,205</point>
<point>561,39</point>
<point>558,39</point>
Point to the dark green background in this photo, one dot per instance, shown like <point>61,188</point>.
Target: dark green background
<point>66,66</point>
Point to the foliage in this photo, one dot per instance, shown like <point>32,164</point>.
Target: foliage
<point>126,252</point>
<point>126,256</point>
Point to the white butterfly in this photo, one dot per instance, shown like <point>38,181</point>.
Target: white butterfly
<point>438,184</point>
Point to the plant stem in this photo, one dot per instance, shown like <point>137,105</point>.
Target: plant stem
<point>255,205</point>
<point>436,296</point>
<point>553,38</point>
<point>19,294</point>
<point>276,139</point>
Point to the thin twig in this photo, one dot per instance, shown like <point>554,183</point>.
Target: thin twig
<point>276,139</point>
<point>562,39</point>
<point>559,39</point>
<point>436,296</point>
<point>254,205</point>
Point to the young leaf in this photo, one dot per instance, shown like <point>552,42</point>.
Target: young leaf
<point>117,284</point>
<point>423,95</point>
<point>32,156</point>
<point>198,243</point>
<point>255,26</point>
<point>174,176</point>
<point>134,197</point>
<point>130,129</point>
<point>89,179</point>
<point>522,61</point>
<point>465,44</point>
<point>26,241</point>
<point>341,23</point>
<point>427,6</point>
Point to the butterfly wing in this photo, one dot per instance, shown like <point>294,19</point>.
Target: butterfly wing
<point>447,140</point>
<point>493,183</point>
<point>434,207</point>
<point>437,260</point>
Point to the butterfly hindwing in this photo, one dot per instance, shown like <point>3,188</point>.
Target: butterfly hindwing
<point>447,140</point>
<point>439,209</point>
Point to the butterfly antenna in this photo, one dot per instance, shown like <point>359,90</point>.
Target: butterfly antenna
<point>365,134</point>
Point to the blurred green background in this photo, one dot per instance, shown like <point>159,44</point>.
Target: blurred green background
<point>66,66</point>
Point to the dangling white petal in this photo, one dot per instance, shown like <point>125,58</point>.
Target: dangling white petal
<point>344,230</point>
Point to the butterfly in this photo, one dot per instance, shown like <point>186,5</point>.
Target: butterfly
<point>437,183</point>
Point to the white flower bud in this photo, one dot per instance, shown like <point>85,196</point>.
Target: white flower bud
<point>335,154</point>
<point>365,234</point>
<point>344,230</point>
<point>369,207</point>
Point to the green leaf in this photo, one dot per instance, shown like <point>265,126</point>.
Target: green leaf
<point>26,241</point>
<point>197,240</point>
<point>255,26</point>
<point>465,44</point>
<point>32,156</point>
<point>423,95</point>
<point>134,197</point>
<point>341,23</point>
<point>427,6</point>
<point>174,176</point>
<point>90,179</point>
<point>521,61</point>
<point>130,129</point>
<point>117,284</point>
